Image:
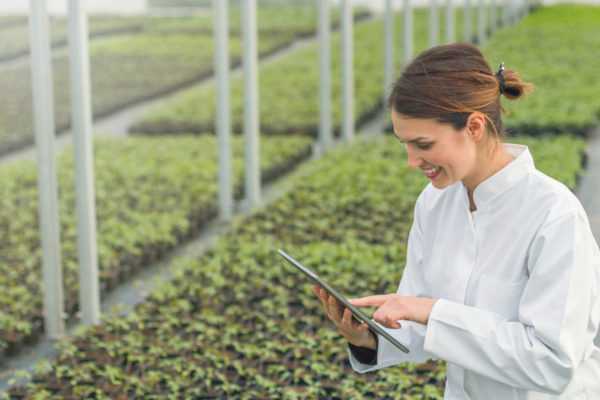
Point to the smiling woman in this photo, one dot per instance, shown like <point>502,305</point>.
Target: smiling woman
<point>502,277</point>
<point>446,106</point>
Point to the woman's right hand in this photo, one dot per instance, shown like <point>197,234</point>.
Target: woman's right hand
<point>355,332</point>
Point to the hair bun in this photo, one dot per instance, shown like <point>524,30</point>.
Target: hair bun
<point>511,85</point>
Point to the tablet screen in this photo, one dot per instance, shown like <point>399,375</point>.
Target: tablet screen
<point>356,313</point>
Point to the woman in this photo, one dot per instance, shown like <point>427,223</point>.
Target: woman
<point>502,278</point>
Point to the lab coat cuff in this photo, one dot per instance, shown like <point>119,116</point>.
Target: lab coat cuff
<point>433,326</point>
<point>449,320</point>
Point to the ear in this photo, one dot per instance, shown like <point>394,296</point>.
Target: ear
<point>476,126</point>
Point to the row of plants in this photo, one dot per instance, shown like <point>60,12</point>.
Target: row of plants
<point>151,194</point>
<point>15,37</point>
<point>179,3</point>
<point>124,70</point>
<point>292,17</point>
<point>551,49</point>
<point>240,323</point>
<point>289,87</point>
<point>7,21</point>
<point>299,20</point>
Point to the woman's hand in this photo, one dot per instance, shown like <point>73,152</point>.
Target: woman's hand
<point>393,307</point>
<point>354,332</point>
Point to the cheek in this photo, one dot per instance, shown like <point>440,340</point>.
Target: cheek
<point>461,166</point>
<point>457,160</point>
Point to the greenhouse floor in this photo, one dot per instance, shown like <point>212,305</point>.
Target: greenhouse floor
<point>589,186</point>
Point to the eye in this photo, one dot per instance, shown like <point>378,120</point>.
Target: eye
<point>424,146</point>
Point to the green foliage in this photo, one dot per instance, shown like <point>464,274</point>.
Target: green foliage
<point>15,32</point>
<point>150,195</point>
<point>551,49</point>
<point>238,322</point>
<point>164,54</point>
<point>289,87</point>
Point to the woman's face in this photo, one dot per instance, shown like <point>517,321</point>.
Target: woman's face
<point>445,155</point>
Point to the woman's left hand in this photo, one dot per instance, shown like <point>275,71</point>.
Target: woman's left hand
<point>393,307</point>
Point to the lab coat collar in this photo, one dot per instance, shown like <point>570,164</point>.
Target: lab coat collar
<point>504,179</point>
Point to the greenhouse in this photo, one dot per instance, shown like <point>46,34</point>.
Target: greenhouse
<point>157,158</point>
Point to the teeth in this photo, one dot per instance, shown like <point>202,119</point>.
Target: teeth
<point>431,172</point>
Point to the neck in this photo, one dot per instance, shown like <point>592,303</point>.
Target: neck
<point>485,168</point>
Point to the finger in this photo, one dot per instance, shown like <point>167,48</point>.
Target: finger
<point>323,301</point>
<point>347,317</point>
<point>363,327</point>
<point>323,294</point>
<point>320,294</point>
<point>315,289</point>
<point>395,325</point>
<point>388,322</point>
<point>375,300</point>
<point>334,309</point>
<point>326,299</point>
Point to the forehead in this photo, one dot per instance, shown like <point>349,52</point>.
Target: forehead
<point>417,129</point>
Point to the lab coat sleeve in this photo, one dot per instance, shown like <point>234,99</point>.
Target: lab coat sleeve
<point>411,334</point>
<point>557,315</point>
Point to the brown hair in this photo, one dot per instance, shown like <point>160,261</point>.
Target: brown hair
<point>449,82</point>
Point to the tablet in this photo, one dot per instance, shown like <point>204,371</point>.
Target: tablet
<point>356,313</point>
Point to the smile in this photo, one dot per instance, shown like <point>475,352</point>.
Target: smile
<point>432,173</point>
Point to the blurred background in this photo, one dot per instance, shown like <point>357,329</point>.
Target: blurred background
<point>195,305</point>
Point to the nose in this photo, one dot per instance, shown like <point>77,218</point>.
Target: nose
<point>414,161</point>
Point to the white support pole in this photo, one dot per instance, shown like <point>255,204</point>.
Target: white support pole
<point>43,102</point>
<point>434,23</point>
<point>505,12</point>
<point>468,22</point>
<point>223,122</point>
<point>481,23</point>
<point>347,71</point>
<point>512,12</point>
<point>388,63</point>
<point>407,13</point>
<point>449,21</point>
<point>493,16</point>
<point>251,123</point>
<point>81,121</point>
<point>325,134</point>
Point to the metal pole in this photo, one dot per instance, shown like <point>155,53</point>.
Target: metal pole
<point>347,71</point>
<point>449,21</point>
<point>434,24</point>
<point>407,13</point>
<point>81,117</point>
<point>505,12</point>
<point>41,69</point>
<point>325,134</point>
<point>389,49</point>
<point>512,12</point>
<point>481,23</point>
<point>251,108</point>
<point>493,16</point>
<point>468,22</point>
<point>221,37</point>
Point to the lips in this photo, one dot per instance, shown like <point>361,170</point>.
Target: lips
<point>432,173</point>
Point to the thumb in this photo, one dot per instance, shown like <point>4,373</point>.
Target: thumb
<point>374,301</point>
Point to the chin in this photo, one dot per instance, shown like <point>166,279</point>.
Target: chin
<point>440,183</point>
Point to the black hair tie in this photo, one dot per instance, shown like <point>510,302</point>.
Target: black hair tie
<point>500,77</point>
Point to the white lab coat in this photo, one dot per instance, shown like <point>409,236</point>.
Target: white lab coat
<point>518,283</point>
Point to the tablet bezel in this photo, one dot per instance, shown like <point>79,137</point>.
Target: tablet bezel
<point>356,313</point>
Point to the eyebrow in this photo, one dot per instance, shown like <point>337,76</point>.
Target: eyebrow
<point>411,141</point>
